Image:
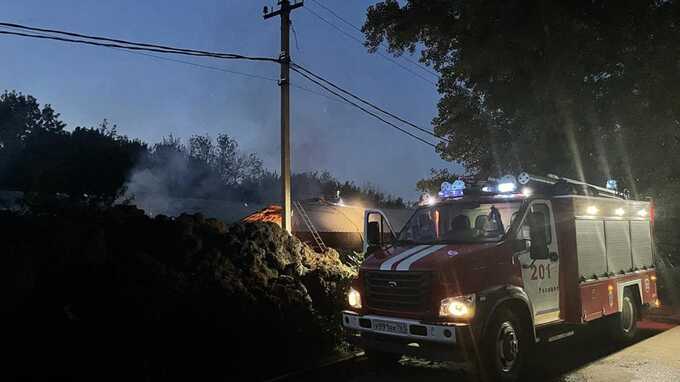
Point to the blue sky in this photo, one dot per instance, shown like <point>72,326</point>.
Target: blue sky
<point>149,98</point>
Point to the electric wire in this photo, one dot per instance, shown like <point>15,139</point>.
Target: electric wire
<point>353,26</point>
<point>203,66</point>
<point>320,84</point>
<point>381,54</point>
<point>210,67</point>
<point>141,48</point>
<point>255,76</point>
<point>163,58</point>
<point>364,101</point>
<point>123,44</point>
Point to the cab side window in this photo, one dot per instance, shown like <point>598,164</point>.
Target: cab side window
<point>541,210</point>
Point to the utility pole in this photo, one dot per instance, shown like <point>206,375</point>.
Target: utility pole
<point>284,11</point>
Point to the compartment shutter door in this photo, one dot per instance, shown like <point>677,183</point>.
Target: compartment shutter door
<point>641,243</point>
<point>618,246</point>
<point>590,248</point>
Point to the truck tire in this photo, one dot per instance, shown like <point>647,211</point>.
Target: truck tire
<point>382,359</point>
<point>623,326</point>
<point>504,348</point>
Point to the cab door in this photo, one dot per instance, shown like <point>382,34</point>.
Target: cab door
<point>541,276</point>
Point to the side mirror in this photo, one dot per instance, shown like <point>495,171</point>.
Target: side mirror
<point>539,241</point>
<point>520,245</point>
<point>373,236</point>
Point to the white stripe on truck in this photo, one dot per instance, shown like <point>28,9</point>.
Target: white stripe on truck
<point>387,265</point>
<point>406,264</point>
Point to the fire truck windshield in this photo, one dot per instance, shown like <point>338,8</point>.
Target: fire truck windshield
<point>459,223</point>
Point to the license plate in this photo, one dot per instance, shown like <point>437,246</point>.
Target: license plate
<point>389,326</point>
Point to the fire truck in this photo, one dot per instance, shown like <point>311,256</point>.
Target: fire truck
<point>483,272</point>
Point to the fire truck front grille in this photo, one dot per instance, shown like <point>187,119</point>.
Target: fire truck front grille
<point>398,291</point>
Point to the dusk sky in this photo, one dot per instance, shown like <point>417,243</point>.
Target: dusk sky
<point>149,98</point>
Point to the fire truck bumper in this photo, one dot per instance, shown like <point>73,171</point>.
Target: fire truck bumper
<point>435,341</point>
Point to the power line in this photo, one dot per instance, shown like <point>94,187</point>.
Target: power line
<point>384,56</point>
<point>122,44</point>
<point>296,69</point>
<point>353,26</point>
<point>362,100</point>
<point>215,68</point>
<point>203,66</point>
<point>141,48</point>
<point>256,76</point>
<point>250,75</point>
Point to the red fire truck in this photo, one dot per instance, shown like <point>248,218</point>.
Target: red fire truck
<point>481,273</point>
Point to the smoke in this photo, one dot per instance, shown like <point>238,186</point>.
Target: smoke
<point>172,179</point>
<point>215,178</point>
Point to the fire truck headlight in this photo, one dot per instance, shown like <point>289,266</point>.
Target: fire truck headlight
<point>354,298</point>
<point>458,307</point>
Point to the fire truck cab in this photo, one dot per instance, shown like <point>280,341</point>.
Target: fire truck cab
<point>482,273</point>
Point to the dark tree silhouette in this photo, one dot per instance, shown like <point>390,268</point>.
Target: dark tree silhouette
<point>39,157</point>
<point>581,88</point>
<point>94,165</point>
<point>21,117</point>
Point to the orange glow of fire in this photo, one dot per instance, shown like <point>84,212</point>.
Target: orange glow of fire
<point>270,214</point>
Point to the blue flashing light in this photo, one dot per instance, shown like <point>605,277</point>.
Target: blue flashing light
<point>612,185</point>
<point>452,190</point>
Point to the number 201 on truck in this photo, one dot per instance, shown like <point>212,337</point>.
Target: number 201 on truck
<point>483,272</point>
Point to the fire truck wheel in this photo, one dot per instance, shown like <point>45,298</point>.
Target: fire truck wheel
<point>504,348</point>
<point>382,359</point>
<point>624,325</point>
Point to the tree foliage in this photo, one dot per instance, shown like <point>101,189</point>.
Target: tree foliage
<point>210,168</point>
<point>51,164</point>
<point>587,89</point>
<point>21,117</point>
<point>223,156</point>
<point>432,185</point>
<point>38,156</point>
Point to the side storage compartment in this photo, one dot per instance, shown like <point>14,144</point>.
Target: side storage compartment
<point>617,233</point>
<point>591,248</point>
<point>641,235</point>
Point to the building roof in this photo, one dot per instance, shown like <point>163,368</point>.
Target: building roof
<point>330,217</point>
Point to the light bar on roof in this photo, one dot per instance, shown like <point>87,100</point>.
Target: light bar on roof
<point>507,184</point>
<point>452,190</point>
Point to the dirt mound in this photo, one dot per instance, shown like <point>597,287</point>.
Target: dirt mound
<point>175,288</point>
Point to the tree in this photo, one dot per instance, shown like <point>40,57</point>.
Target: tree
<point>204,168</point>
<point>587,89</point>
<point>432,185</point>
<point>85,165</point>
<point>233,166</point>
<point>21,117</point>
<point>223,156</point>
